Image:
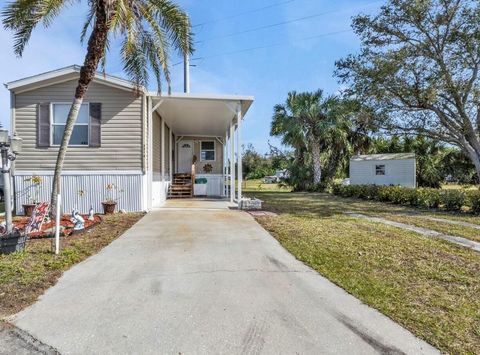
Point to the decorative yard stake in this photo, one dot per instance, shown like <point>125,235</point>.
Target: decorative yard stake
<point>57,226</point>
<point>90,214</point>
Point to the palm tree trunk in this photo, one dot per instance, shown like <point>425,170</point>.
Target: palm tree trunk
<point>95,51</point>
<point>317,163</point>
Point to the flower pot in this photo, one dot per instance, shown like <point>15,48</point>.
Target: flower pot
<point>28,209</point>
<point>14,242</point>
<point>109,207</point>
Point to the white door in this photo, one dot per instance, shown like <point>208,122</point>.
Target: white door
<point>185,156</point>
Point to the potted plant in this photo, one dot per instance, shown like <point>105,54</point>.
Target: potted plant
<point>200,187</point>
<point>33,195</point>
<point>13,242</point>
<point>110,202</point>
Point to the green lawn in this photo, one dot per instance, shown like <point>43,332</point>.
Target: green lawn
<point>258,185</point>
<point>430,286</point>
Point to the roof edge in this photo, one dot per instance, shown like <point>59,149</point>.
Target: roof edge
<point>71,69</point>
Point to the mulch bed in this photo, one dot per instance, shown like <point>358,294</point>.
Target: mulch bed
<point>48,228</point>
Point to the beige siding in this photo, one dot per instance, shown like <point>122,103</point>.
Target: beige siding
<point>157,145</point>
<point>121,130</point>
<point>217,164</point>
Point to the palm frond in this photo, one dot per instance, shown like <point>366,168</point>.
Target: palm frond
<point>22,16</point>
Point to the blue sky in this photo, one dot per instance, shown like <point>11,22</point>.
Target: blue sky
<point>288,62</point>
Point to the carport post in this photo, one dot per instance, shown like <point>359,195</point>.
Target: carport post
<point>224,156</point>
<point>170,153</point>
<point>232,163</point>
<point>239,151</point>
<point>163,149</point>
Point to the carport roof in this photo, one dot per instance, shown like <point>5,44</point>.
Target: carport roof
<point>200,114</point>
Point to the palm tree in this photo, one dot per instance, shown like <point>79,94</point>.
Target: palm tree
<point>148,30</point>
<point>300,122</point>
<point>345,132</point>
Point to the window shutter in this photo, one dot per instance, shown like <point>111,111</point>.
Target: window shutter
<point>43,125</point>
<point>95,125</point>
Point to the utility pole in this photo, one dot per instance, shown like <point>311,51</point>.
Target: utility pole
<point>186,73</point>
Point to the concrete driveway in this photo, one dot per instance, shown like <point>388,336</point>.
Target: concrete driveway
<point>205,281</point>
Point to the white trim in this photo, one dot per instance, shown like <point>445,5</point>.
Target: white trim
<point>170,154</point>
<point>12,112</point>
<point>239,154</point>
<point>70,70</point>
<point>162,158</point>
<point>150,153</point>
<point>209,150</point>
<point>232,163</point>
<point>78,172</point>
<point>202,96</point>
<point>80,124</point>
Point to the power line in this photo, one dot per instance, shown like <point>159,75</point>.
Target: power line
<point>299,19</point>
<point>243,13</point>
<point>270,45</point>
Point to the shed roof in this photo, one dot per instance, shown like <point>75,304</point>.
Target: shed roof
<point>387,156</point>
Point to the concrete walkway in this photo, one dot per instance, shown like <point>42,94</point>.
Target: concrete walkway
<point>463,242</point>
<point>205,282</point>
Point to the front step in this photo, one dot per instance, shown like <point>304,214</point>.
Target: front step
<point>181,187</point>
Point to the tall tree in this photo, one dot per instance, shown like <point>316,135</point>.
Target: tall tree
<point>148,29</point>
<point>419,64</point>
<point>299,122</point>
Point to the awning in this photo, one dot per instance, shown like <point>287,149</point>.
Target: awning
<point>200,115</point>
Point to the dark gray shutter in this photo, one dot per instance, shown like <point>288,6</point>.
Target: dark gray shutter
<point>95,125</point>
<point>43,125</point>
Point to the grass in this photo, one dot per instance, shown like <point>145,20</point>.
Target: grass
<point>429,286</point>
<point>26,275</point>
<point>258,185</point>
<point>421,220</point>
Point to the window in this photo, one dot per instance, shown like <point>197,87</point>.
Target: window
<point>80,130</point>
<point>207,151</point>
<point>379,169</point>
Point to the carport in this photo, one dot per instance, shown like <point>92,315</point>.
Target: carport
<point>218,117</point>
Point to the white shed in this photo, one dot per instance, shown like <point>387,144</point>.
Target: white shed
<point>384,169</point>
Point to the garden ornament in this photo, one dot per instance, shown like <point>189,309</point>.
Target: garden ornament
<point>77,220</point>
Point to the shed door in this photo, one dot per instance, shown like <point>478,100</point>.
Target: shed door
<point>185,156</point>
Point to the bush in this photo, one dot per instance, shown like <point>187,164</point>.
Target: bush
<point>453,200</point>
<point>474,201</point>
<point>429,198</point>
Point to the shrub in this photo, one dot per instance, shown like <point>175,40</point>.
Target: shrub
<point>453,200</point>
<point>429,198</point>
<point>474,201</point>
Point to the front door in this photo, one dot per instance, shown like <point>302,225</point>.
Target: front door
<point>185,156</point>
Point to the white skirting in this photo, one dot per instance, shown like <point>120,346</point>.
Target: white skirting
<point>93,184</point>
<point>159,189</point>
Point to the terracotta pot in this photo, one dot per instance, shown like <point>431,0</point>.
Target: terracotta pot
<point>28,209</point>
<point>109,207</point>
